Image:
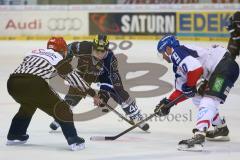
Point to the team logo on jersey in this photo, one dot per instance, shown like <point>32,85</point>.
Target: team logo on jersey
<point>217,86</point>
<point>45,53</point>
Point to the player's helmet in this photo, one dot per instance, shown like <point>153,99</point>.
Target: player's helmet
<point>234,26</point>
<point>168,40</point>
<point>100,43</point>
<point>58,44</point>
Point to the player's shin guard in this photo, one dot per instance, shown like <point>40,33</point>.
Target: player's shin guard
<point>133,112</point>
<point>207,112</point>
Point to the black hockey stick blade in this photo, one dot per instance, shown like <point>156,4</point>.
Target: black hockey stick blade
<point>102,138</point>
<point>111,138</point>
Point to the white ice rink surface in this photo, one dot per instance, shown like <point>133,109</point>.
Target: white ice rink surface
<point>159,144</point>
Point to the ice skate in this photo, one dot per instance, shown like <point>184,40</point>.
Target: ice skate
<point>54,125</point>
<point>196,143</point>
<point>17,139</point>
<point>219,133</point>
<point>137,118</point>
<point>76,143</point>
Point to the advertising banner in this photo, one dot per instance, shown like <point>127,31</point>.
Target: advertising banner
<point>133,23</point>
<point>195,22</point>
<point>202,24</point>
<point>43,23</point>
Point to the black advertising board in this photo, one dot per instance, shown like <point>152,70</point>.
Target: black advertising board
<point>132,23</point>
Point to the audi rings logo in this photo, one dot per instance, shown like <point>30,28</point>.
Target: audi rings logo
<point>61,24</point>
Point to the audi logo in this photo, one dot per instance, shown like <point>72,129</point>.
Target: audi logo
<point>62,24</point>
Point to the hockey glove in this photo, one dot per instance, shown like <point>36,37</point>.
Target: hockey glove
<point>104,96</point>
<point>189,91</point>
<point>161,109</point>
<point>202,87</point>
<point>72,100</point>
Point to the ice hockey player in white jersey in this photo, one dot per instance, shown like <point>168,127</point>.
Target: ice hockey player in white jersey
<point>219,70</point>
<point>28,86</point>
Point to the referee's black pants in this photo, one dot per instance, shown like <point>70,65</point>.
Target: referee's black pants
<point>33,92</point>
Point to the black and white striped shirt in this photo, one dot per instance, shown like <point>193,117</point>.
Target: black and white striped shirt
<point>36,66</point>
<point>45,64</point>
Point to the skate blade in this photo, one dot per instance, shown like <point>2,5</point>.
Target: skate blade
<point>219,139</point>
<point>196,148</point>
<point>15,142</point>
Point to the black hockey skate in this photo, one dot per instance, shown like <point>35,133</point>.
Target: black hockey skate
<point>54,125</point>
<point>196,143</point>
<point>76,143</point>
<point>220,133</point>
<point>144,126</point>
<point>17,139</point>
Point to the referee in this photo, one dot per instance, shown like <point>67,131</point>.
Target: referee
<point>28,87</point>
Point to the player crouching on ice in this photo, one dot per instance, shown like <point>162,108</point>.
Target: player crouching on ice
<point>220,71</point>
<point>97,63</point>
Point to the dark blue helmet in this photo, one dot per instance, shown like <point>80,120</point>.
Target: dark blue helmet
<point>165,41</point>
<point>234,26</point>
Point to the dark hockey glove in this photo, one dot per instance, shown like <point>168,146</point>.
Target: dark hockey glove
<point>189,91</point>
<point>72,100</point>
<point>161,109</point>
<point>202,87</point>
<point>104,96</point>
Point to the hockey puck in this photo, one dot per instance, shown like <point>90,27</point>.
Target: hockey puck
<point>105,110</point>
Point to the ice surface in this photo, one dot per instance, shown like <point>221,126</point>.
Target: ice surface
<point>159,144</point>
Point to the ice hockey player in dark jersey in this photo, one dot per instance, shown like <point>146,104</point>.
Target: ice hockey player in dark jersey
<point>28,86</point>
<point>233,47</point>
<point>97,63</point>
<point>220,71</point>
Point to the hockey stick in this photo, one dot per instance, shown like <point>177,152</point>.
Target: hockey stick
<point>96,138</point>
<point>121,116</point>
<point>116,112</point>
